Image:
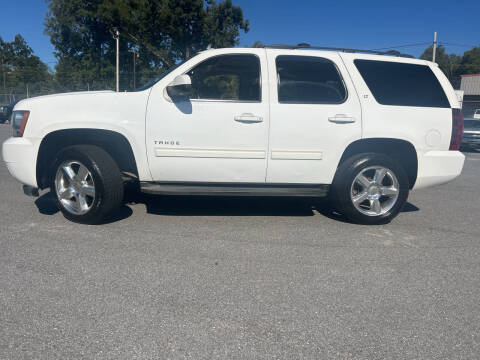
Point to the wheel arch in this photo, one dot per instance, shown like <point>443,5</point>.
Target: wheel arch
<point>113,142</point>
<point>400,150</point>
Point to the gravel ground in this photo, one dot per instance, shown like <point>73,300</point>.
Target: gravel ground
<point>226,278</point>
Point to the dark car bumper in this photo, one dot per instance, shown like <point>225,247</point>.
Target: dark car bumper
<point>471,133</point>
<point>471,137</point>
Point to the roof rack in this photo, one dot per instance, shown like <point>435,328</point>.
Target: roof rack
<point>308,46</point>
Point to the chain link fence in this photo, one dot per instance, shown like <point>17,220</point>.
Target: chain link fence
<point>10,94</point>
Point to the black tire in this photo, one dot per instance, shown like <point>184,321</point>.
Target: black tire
<point>340,191</point>
<point>107,180</point>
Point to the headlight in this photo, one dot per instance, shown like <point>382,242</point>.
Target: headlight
<point>19,122</point>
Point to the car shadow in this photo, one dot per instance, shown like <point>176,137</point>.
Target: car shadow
<point>226,206</point>
<point>215,206</point>
<point>46,205</point>
<point>325,208</point>
<point>240,206</point>
<point>409,207</point>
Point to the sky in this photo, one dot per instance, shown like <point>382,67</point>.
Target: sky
<point>356,24</point>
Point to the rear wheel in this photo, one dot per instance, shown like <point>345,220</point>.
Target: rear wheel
<point>87,184</point>
<point>370,188</point>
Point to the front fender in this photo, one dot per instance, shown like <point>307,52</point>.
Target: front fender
<point>136,143</point>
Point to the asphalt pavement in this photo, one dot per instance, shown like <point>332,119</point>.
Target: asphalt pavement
<point>232,278</point>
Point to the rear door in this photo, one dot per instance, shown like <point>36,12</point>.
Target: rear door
<point>314,114</point>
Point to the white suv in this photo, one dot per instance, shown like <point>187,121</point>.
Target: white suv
<point>277,121</point>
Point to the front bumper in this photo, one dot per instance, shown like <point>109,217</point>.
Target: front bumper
<point>438,167</point>
<point>20,156</point>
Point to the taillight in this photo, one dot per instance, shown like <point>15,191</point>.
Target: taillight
<point>457,129</point>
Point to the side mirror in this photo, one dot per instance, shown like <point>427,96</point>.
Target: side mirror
<point>180,88</point>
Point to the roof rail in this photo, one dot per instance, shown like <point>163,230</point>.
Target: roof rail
<point>308,46</point>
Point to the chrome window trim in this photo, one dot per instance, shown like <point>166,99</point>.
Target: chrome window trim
<point>307,102</point>
<point>221,100</point>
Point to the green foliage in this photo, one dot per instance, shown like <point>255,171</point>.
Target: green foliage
<point>162,31</point>
<point>20,67</point>
<point>226,87</point>
<point>449,63</point>
<point>470,63</point>
<point>398,53</point>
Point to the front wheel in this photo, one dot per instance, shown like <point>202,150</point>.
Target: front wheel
<point>370,188</point>
<point>87,184</point>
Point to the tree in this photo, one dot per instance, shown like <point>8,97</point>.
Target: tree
<point>83,45</point>
<point>21,68</point>
<point>449,63</point>
<point>470,63</point>
<point>398,53</point>
<point>162,31</point>
<point>258,44</point>
<point>223,23</point>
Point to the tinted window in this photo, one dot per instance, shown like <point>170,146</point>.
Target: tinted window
<point>393,83</point>
<point>227,77</point>
<point>309,80</point>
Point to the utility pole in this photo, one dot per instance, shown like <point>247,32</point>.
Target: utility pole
<point>135,55</point>
<point>27,92</point>
<point>4,79</point>
<point>134,71</point>
<point>116,36</point>
<point>434,46</point>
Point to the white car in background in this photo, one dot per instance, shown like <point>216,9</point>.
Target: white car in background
<point>471,135</point>
<point>476,114</point>
<point>364,129</point>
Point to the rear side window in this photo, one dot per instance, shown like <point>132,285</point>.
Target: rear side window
<point>393,83</point>
<point>309,80</point>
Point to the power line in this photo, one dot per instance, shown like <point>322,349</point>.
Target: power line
<point>461,45</point>
<point>425,43</point>
<point>403,46</point>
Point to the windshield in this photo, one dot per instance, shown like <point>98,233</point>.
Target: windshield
<point>161,76</point>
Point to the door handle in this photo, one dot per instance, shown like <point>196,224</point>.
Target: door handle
<point>341,119</point>
<point>248,118</point>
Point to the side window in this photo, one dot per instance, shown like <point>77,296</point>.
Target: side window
<point>227,77</point>
<point>401,84</point>
<point>309,80</point>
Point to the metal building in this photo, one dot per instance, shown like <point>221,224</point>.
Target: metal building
<point>470,84</point>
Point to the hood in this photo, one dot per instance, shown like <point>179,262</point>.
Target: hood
<point>26,103</point>
<point>87,109</point>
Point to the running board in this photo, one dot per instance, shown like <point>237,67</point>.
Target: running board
<point>226,189</point>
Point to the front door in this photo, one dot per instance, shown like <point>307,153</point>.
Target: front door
<point>220,134</point>
<point>314,115</point>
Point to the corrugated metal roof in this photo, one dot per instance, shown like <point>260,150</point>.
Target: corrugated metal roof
<point>465,75</point>
<point>470,84</point>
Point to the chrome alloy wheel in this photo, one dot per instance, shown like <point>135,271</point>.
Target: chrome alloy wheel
<point>375,191</point>
<point>75,187</point>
